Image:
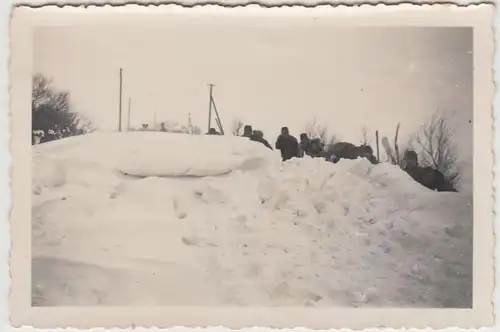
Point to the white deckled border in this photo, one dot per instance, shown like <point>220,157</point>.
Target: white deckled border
<point>480,17</point>
<point>266,3</point>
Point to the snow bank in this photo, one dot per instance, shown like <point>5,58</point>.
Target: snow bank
<point>243,229</point>
<point>99,159</point>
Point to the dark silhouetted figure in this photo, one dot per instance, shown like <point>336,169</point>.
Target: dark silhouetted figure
<point>435,180</point>
<point>258,136</point>
<point>247,131</point>
<point>427,176</point>
<point>410,165</point>
<point>345,150</point>
<point>316,149</point>
<point>366,151</point>
<point>162,127</point>
<point>304,145</point>
<point>342,150</point>
<point>287,144</point>
<point>212,131</point>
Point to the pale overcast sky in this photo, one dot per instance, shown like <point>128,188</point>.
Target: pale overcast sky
<point>268,74</point>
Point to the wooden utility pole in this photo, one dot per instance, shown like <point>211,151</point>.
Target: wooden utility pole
<point>128,116</point>
<point>217,118</point>
<point>190,124</point>
<point>210,107</point>
<point>120,103</point>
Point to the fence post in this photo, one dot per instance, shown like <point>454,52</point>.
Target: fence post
<point>120,103</point>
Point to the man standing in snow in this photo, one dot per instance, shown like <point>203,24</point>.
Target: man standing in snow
<point>410,165</point>
<point>304,145</point>
<point>435,180</point>
<point>287,144</point>
<point>427,176</point>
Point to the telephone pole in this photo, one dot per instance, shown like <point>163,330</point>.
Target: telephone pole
<point>210,107</point>
<point>120,103</point>
<point>128,116</point>
<point>190,124</point>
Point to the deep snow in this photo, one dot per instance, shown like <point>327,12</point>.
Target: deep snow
<point>148,218</point>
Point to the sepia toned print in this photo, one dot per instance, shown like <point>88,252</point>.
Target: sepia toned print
<point>213,164</point>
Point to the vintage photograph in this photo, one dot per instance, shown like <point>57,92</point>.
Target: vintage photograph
<point>319,167</point>
<point>253,161</point>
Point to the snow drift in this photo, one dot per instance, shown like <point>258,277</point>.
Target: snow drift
<point>171,219</point>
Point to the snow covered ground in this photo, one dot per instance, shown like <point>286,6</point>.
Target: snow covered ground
<point>148,218</point>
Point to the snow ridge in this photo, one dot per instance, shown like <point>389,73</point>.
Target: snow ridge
<point>219,220</point>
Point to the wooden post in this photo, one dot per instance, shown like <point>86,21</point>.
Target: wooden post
<point>190,124</point>
<point>377,142</point>
<point>120,103</point>
<point>217,118</point>
<point>210,107</point>
<point>396,145</point>
<point>128,117</point>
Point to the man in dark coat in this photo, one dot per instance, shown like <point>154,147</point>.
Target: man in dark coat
<point>345,150</point>
<point>247,131</point>
<point>287,144</point>
<point>304,145</point>
<point>411,167</point>
<point>316,149</point>
<point>427,176</point>
<point>342,150</point>
<point>435,180</point>
<point>258,136</point>
<point>366,151</point>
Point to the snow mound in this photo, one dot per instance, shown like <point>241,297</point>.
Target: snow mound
<point>171,219</point>
<point>98,159</point>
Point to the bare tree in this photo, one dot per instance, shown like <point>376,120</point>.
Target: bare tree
<point>434,145</point>
<point>365,140</point>
<point>436,148</point>
<point>315,130</point>
<point>236,127</point>
<point>52,116</point>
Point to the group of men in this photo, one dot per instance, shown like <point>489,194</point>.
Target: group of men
<point>290,148</point>
<point>425,175</point>
<point>286,143</point>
